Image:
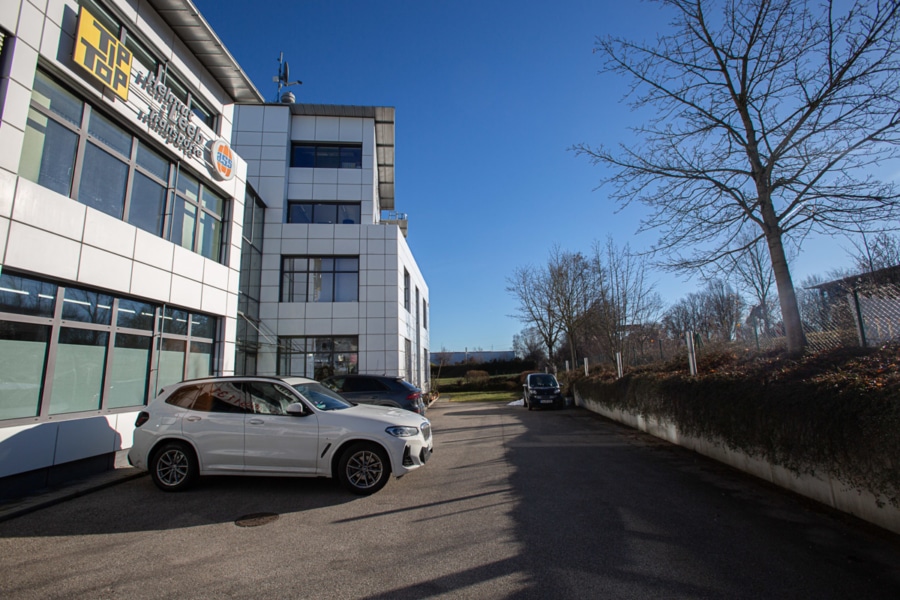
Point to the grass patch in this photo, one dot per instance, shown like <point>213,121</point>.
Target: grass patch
<point>481,396</point>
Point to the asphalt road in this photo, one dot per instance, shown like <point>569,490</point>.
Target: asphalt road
<point>514,504</point>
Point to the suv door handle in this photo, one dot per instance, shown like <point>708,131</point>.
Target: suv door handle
<point>194,418</point>
<point>256,421</point>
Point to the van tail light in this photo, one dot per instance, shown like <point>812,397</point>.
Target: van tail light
<point>142,418</point>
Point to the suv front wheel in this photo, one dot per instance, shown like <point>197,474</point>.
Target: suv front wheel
<point>364,468</point>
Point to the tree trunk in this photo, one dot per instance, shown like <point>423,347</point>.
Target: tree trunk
<point>790,311</point>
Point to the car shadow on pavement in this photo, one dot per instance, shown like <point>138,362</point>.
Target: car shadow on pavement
<point>137,505</point>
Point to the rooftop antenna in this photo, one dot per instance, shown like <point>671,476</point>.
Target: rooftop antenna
<point>283,79</point>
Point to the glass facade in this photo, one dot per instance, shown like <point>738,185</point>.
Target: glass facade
<point>248,323</point>
<point>318,357</point>
<point>344,213</point>
<point>67,350</point>
<point>75,150</point>
<point>315,155</point>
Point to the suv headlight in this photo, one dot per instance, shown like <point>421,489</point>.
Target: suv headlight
<point>402,431</point>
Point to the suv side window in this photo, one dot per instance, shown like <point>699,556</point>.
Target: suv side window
<point>184,397</point>
<point>267,398</point>
<point>363,384</point>
<point>222,397</point>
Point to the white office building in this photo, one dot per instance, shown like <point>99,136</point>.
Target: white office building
<point>339,290</point>
<point>121,208</point>
<point>133,252</point>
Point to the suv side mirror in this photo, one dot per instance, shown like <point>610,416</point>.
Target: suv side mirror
<point>297,409</point>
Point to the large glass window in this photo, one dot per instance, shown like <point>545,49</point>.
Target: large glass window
<point>326,156</point>
<point>197,222</point>
<point>320,279</point>
<point>23,351</point>
<point>67,350</point>
<point>324,212</point>
<point>75,150</point>
<point>249,289</point>
<point>318,357</point>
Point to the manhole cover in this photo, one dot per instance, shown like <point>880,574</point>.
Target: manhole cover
<point>255,520</point>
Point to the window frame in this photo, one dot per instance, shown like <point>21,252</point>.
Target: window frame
<point>319,162</point>
<point>318,203</point>
<point>287,293</point>
<point>52,314</point>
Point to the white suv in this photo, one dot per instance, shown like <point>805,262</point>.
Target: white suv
<point>270,426</point>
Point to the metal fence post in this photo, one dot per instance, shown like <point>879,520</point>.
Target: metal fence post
<point>619,369</point>
<point>692,352</point>
<point>585,366</point>
<point>860,325</point>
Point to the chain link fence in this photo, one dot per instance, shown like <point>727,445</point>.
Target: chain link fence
<point>854,312</point>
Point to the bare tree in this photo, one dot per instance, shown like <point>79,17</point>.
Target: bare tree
<point>528,345</point>
<point>875,252</point>
<point>725,308</point>
<point>753,269</point>
<point>765,115</point>
<point>626,300</point>
<point>573,288</point>
<point>533,290</point>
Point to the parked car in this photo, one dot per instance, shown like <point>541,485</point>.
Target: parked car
<point>378,389</point>
<point>541,390</point>
<point>288,426</point>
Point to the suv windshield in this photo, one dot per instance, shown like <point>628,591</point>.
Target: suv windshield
<point>321,397</point>
<point>543,381</point>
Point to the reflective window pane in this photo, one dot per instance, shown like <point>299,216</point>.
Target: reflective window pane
<point>300,213</point>
<point>171,363</point>
<point>188,186</point>
<point>48,153</point>
<point>200,360</point>
<point>325,213</point>
<point>210,237</point>
<point>152,162</point>
<point>349,214</point>
<point>87,307</point>
<point>53,96</point>
<point>135,314</point>
<point>174,321</point>
<point>110,134</point>
<point>328,157</point>
<point>346,287</point>
<point>212,201</point>
<point>148,203</point>
<point>23,351</point>
<point>78,372</point>
<point>203,326</point>
<point>25,296</point>
<point>303,156</point>
<point>103,181</point>
<point>184,219</point>
<point>129,372</point>
<point>351,158</point>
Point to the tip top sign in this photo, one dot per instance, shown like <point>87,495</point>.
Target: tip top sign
<point>102,54</point>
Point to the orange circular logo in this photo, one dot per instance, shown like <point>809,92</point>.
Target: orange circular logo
<point>221,157</point>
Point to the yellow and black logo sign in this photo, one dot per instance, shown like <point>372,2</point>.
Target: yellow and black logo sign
<point>102,54</point>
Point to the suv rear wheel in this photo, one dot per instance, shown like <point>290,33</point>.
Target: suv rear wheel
<point>174,467</point>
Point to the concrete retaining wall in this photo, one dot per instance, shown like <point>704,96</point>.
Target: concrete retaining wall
<point>834,493</point>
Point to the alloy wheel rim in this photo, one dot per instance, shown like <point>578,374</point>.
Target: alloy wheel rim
<point>364,469</point>
<point>172,467</point>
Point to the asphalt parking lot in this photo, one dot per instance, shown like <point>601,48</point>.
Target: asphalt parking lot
<point>513,504</point>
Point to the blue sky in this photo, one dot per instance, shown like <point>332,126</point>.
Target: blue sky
<point>489,98</point>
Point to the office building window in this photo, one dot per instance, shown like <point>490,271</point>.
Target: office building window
<point>326,156</point>
<point>248,323</point>
<point>318,357</point>
<point>324,212</point>
<point>406,289</point>
<point>424,314</point>
<point>320,279</point>
<point>77,151</point>
<point>66,349</point>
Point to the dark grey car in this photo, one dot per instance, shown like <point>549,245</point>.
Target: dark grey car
<point>541,390</point>
<point>378,389</point>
